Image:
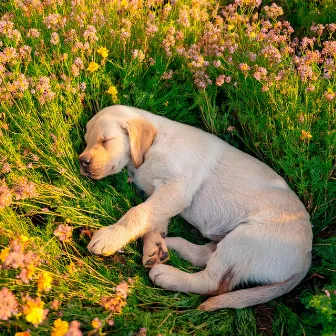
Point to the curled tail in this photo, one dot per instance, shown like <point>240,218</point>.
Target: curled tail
<point>252,296</point>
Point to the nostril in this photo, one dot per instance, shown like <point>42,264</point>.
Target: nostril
<point>84,162</point>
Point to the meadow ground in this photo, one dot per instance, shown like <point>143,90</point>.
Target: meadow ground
<point>239,71</point>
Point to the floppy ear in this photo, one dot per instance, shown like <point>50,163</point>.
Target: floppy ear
<point>141,134</point>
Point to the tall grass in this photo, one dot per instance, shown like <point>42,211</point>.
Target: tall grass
<point>237,71</point>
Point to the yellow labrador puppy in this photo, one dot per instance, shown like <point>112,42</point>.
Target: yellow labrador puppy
<point>260,230</point>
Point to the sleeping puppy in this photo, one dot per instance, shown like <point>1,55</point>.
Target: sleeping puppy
<point>260,231</point>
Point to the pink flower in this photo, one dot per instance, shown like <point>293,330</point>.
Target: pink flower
<point>122,289</point>
<point>23,189</point>
<point>273,11</point>
<point>244,67</point>
<point>74,329</point>
<point>5,195</point>
<point>217,64</point>
<point>54,38</point>
<point>33,33</point>
<point>64,233</point>
<point>8,304</point>
<point>167,75</point>
<point>90,34</point>
<point>220,80</point>
<point>6,168</point>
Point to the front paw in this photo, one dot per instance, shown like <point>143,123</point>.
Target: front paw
<point>105,241</point>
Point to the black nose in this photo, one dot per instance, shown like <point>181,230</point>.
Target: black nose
<point>84,161</point>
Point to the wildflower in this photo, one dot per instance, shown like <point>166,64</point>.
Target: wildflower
<point>24,333</point>
<point>96,323</point>
<point>34,311</point>
<point>183,19</point>
<point>74,329</point>
<point>64,232</point>
<point>23,189</point>
<point>217,64</point>
<point>54,38</point>
<point>114,304</point>
<point>244,67</point>
<point>319,28</point>
<point>4,253</point>
<point>122,289</point>
<point>305,72</point>
<point>55,304</point>
<point>60,328</point>
<point>260,73</point>
<point>272,53</point>
<point>142,332</point>
<point>273,11</point>
<point>74,70</point>
<point>110,323</point>
<point>82,86</point>
<point>33,33</point>
<point>329,95</point>
<point>90,34</point>
<point>138,54</point>
<point>8,304</point>
<point>231,128</point>
<point>113,92</point>
<point>5,195</point>
<point>248,3</point>
<point>44,282</point>
<point>220,80</point>
<point>151,61</point>
<point>103,52</point>
<point>327,293</point>
<point>55,21</point>
<point>151,29</point>
<point>305,135</point>
<point>6,168</point>
<point>93,66</point>
<point>167,75</point>
<point>252,56</point>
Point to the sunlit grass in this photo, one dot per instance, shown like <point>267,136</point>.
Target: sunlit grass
<point>234,71</point>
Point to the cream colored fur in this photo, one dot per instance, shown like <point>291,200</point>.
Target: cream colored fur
<point>260,230</point>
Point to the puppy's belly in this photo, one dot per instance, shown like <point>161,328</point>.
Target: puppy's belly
<point>212,222</point>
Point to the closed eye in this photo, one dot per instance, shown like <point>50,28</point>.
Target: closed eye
<point>105,140</point>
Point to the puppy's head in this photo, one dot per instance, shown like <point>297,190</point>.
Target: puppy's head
<point>113,139</point>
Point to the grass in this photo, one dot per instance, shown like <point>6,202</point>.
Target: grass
<point>279,118</point>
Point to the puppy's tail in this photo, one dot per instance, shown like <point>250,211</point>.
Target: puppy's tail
<point>252,296</point>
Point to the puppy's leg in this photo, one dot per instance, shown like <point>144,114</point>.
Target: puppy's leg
<point>219,276</point>
<point>155,250</point>
<point>169,199</point>
<point>198,255</point>
<point>203,282</point>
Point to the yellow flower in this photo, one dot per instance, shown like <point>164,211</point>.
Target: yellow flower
<point>34,311</point>
<point>60,328</point>
<point>23,238</point>
<point>112,90</point>
<point>4,253</point>
<point>96,323</point>
<point>24,333</point>
<point>103,51</point>
<point>230,27</point>
<point>44,282</point>
<point>36,315</point>
<point>93,66</point>
<point>305,135</point>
